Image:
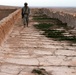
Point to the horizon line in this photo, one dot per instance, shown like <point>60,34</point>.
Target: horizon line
<point>38,6</point>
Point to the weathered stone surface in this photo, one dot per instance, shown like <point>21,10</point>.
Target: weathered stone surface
<point>26,49</point>
<point>66,52</point>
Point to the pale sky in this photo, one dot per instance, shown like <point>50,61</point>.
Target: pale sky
<point>49,3</point>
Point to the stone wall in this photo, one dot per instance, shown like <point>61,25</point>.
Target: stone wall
<point>65,17</point>
<point>7,23</point>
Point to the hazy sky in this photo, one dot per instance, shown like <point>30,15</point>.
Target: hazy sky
<point>71,3</point>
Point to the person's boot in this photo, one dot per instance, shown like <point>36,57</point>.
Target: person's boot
<point>27,24</point>
<point>24,25</point>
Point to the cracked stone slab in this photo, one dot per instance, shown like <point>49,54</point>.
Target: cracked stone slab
<point>30,61</point>
<point>57,60</point>
<point>66,52</point>
<point>60,70</point>
<point>26,49</point>
<point>10,69</point>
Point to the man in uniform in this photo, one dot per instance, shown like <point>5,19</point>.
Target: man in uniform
<point>25,14</point>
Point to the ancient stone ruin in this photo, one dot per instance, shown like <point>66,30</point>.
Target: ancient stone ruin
<point>27,51</point>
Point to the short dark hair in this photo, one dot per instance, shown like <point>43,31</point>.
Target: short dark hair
<point>25,4</point>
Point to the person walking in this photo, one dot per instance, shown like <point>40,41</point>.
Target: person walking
<point>25,14</point>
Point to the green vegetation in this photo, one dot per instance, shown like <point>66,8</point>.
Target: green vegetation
<point>36,71</point>
<point>56,34</point>
<point>50,31</point>
<point>41,15</point>
<point>41,18</point>
<point>40,71</point>
<point>44,18</point>
<point>43,26</point>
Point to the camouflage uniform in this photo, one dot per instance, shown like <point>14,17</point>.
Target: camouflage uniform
<point>25,15</point>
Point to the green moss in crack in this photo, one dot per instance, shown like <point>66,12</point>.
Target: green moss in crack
<point>43,26</point>
<point>52,33</point>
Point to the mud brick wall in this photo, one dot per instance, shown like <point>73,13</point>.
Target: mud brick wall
<point>7,23</point>
<point>65,17</point>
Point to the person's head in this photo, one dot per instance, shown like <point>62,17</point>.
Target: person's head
<point>25,4</point>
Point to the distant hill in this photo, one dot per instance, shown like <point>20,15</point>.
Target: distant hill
<point>6,10</point>
<point>8,7</point>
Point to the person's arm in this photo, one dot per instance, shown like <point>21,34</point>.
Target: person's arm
<point>22,13</point>
<point>28,10</point>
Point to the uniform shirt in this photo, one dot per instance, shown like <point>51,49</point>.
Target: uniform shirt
<point>25,11</point>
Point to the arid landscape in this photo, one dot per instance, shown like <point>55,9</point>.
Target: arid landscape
<point>65,9</point>
<point>45,47</point>
<point>6,10</point>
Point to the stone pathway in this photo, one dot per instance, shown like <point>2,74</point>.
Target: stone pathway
<point>25,49</point>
